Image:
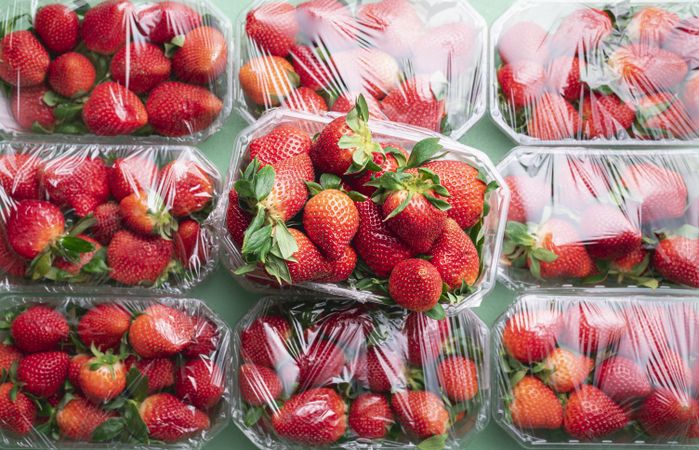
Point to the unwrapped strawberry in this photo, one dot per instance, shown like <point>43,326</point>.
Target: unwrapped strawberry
<point>145,372</point>
<point>585,218</point>
<point>419,62</point>
<point>613,370</point>
<point>115,69</point>
<point>377,376</point>
<point>350,211</point>
<point>595,72</point>
<point>76,217</point>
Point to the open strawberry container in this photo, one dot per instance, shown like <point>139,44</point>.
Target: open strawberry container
<point>420,62</point>
<point>379,377</point>
<point>367,276</point>
<point>106,218</point>
<point>125,372</point>
<point>115,71</point>
<point>596,73</point>
<point>582,218</point>
<point>600,369</point>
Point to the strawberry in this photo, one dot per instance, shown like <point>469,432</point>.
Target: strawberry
<point>581,33</point>
<point>140,67</point>
<point>676,258</point>
<point>113,109</point>
<point>592,327</point>
<point>651,25</point>
<point>170,420</point>
<point>689,93</point>
<point>30,110</point>
<point>458,377</point>
<point>368,70</point>
<point>24,62</point>
<point>273,28</point>
<point>71,75</point>
<point>78,182</point>
<point>205,341</point>
<point>386,161</point>
<point>386,24</point>
<point>421,413</point>
<point>385,369</point>
<point>632,265</point>
<point>522,83</point>
<point>348,328</point>
<point>58,27</point>
<point>523,41</point>
<point>43,374</point>
<point>284,141</point>
<point>416,102</point>
<point>467,191</point>
<point>104,326</point>
<point>102,377</point>
<point>553,119</point>
<point>76,363</point>
<point>19,175</point>
<point>18,414</point>
<point>663,361</point>
<point>450,48</point>
<point>648,70</point>
<point>341,268</point>
<point>33,226</point>
<point>535,406</point>
<point>9,355</point>
<point>313,67</point>
<point>608,233</point>
<point>605,116</point>
<point>327,23</point>
<point>132,174</point>
<point>622,380</point>
<point>267,80</point>
<point>105,25</point>
<point>78,419</point>
<point>163,21</point>
<point>415,284</point>
<point>563,76</point>
<point>161,331</point>
<point>237,219</point>
<point>107,222</point>
<point>667,413</point>
<point>179,109</point>
<point>146,214</point>
<point>425,337</point>
<point>188,187</point>
<point>190,247</point>
<point>370,416</point>
<point>258,385</point>
<point>264,341</point>
<point>566,370</point>
<point>346,101</point>
<point>528,198</point>
<point>307,100</point>
<point>531,335</point>
<point>590,414</point>
<point>664,116</point>
<point>323,424</point>
<point>320,364</point>
<point>662,192</point>
<point>684,40</point>
<point>200,382</point>
<point>10,262</point>
<point>138,259</point>
<point>202,58</point>
<point>74,266</point>
<point>160,372</point>
<point>306,263</point>
<point>331,220</point>
<point>39,329</point>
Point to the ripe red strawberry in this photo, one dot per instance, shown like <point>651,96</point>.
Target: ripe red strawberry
<point>107,222</point>
<point>140,67</point>
<point>188,187</point>
<point>531,335</point>
<point>160,372</point>
<point>386,161</point>
<point>170,420</point>
<point>190,247</point>
<point>137,259</point>
<point>284,141</point>
<point>163,21</point>
<point>370,416</point>
<point>421,412</point>
<point>205,340</point>
<point>455,257</point>
<point>104,326</point>
<point>161,331</point>
<point>386,23</point>
<point>566,369</point>
<point>19,175</point>
<point>528,198</point>
<point>592,327</point>
<point>78,419</point>
<point>264,341</point>
<point>179,109</point>
<point>466,189</point>
<point>425,337</point>
<point>9,355</point>
<point>346,101</point>
<point>648,69</point>
<point>667,413</point>
<point>202,58</point>
<point>58,27</point>
<point>622,380</point>
<point>415,284</point>
<point>651,25</point>
<point>553,118</point>
<point>78,182</point>
<point>146,214</point>
<point>664,116</point>
<point>608,233</point>
<point>535,406</point>
<point>24,62</point>
<point>563,76</point>
<point>39,329</point>
<point>273,28</point>
<point>677,259</point>
<point>33,225</point>
<point>307,263</point>
<point>327,23</point>
<point>237,219</point>
<point>76,363</point>
<point>385,369</point>
<point>105,25</point>
<point>522,83</point>
<point>71,75</point>
<point>605,116</point>
<point>523,41</point>
<point>662,192</point>
<point>113,109</point>
<point>132,174</point>
<point>581,32</point>
<point>29,108</point>
<point>102,378</point>
<point>331,220</point>
<point>663,361</point>
<point>43,374</point>
<point>590,414</point>
<point>449,48</point>
<point>415,102</point>
<point>258,385</point>
<point>200,382</point>
<point>321,425</point>
<point>368,70</point>
<point>16,416</point>
<point>312,67</point>
<point>320,364</point>
<point>305,99</point>
<point>458,377</point>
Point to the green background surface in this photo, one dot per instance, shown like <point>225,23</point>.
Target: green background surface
<point>231,301</point>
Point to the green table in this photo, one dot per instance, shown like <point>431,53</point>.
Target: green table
<point>231,302</point>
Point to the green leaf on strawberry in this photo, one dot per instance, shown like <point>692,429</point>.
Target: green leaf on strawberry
<point>109,430</point>
<point>433,443</point>
<point>137,384</point>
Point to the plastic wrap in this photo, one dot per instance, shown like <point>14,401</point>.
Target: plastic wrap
<point>113,373</point>
<point>378,377</point>
<point>419,62</point>
<point>605,369</point>
<point>600,73</point>
<point>589,218</point>
<point>270,138</point>
<point>106,218</point>
<point>114,71</point>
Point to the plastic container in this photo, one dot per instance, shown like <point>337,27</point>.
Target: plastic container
<point>106,218</point>
<point>601,369</point>
<point>421,62</point>
<point>290,355</point>
<point>597,73</point>
<point>148,71</point>
<point>155,409</point>
<point>491,230</point>
<point>601,218</point>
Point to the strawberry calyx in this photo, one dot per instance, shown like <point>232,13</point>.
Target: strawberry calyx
<point>157,212</point>
<point>103,359</point>
<point>425,183</point>
<point>637,273</point>
<point>360,141</point>
<point>522,249</point>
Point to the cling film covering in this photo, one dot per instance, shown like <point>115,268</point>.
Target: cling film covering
<point>621,72</point>
<point>147,373</point>
<point>346,375</point>
<point>617,371</point>
<point>114,70</point>
<point>587,218</point>
<point>106,218</point>
<point>419,62</point>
